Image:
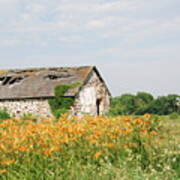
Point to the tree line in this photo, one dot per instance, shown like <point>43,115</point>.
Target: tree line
<point>143,103</point>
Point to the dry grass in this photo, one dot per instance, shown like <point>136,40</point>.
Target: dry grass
<point>170,133</point>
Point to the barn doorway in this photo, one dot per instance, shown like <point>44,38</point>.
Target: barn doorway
<point>98,106</point>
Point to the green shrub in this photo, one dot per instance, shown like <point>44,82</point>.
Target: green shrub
<point>29,116</point>
<point>60,104</point>
<point>174,116</point>
<point>4,114</point>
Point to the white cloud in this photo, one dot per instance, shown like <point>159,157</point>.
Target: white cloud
<point>36,8</point>
<point>121,5</point>
<point>157,52</point>
<point>8,1</point>
<point>93,31</point>
<point>96,18</point>
<point>94,24</point>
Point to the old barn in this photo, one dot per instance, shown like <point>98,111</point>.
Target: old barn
<point>28,91</point>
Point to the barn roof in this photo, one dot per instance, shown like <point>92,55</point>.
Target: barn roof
<point>40,82</point>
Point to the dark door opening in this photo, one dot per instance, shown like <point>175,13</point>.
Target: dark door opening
<point>98,103</point>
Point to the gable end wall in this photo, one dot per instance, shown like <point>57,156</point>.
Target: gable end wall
<point>86,100</point>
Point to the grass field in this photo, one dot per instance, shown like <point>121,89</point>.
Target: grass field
<point>170,133</point>
<point>168,153</point>
<point>99,148</point>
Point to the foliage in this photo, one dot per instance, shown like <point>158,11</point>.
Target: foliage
<point>60,104</point>
<point>93,148</point>
<point>145,97</point>
<point>164,105</point>
<point>123,147</point>
<point>174,116</point>
<point>4,114</point>
<point>29,117</point>
<point>60,150</point>
<point>62,89</point>
<point>143,103</point>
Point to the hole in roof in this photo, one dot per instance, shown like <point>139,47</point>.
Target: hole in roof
<point>6,80</point>
<point>15,80</point>
<point>9,80</point>
<point>2,79</point>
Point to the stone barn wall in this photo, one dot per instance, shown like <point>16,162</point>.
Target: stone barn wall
<point>86,102</point>
<point>37,107</point>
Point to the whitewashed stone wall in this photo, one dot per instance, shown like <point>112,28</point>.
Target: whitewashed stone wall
<point>37,107</point>
<point>88,96</point>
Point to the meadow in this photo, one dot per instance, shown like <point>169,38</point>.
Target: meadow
<point>91,148</point>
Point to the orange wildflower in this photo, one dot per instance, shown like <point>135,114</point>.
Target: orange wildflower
<point>55,148</point>
<point>48,121</point>
<point>22,149</point>
<point>98,133</point>
<point>8,162</point>
<point>148,115</point>
<point>110,145</point>
<point>153,133</point>
<point>3,171</point>
<point>48,152</point>
<point>97,154</point>
<point>139,121</point>
<point>143,131</point>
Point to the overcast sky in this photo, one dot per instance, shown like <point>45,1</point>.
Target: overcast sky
<point>134,43</point>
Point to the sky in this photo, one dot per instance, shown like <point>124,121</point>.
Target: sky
<point>135,44</point>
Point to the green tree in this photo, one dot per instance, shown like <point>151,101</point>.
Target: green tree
<point>144,99</point>
<point>147,98</point>
<point>164,105</point>
<point>125,104</point>
<point>143,102</point>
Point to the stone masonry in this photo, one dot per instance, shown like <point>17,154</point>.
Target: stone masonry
<point>37,107</point>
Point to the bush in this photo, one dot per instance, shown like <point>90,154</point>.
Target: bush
<point>174,116</point>
<point>61,104</point>
<point>4,114</point>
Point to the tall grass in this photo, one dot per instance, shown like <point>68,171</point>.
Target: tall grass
<point>89,148</point>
